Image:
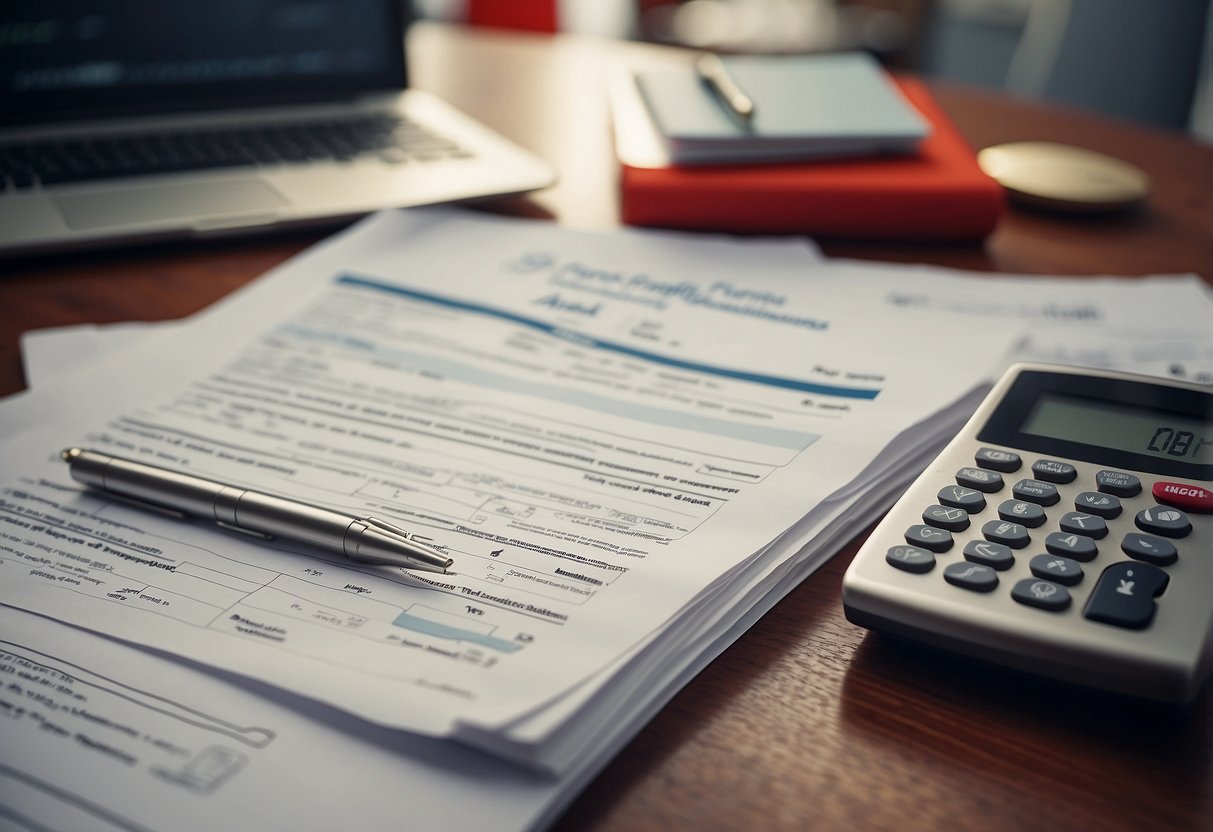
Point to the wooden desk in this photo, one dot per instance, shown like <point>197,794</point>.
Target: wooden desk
<point>805,723</point>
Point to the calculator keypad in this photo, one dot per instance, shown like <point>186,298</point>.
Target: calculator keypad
<point>1065,532</point>
<point>1125,592</point>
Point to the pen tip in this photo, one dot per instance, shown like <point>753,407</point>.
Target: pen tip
<point>68,454</point>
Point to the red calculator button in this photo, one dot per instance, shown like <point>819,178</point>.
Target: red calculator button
<point>1192,498</point>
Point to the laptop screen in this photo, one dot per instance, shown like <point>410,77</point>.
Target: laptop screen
<point>69,58</point>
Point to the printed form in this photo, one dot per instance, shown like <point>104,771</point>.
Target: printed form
<point>599,429</point>
<point>101,737</point>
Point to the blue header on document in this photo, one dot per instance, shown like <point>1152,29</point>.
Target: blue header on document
<point>591,342</point>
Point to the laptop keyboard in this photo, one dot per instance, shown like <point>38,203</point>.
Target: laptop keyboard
<point>393,139</point>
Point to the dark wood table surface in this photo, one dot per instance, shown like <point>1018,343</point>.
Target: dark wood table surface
<point>806,722</point>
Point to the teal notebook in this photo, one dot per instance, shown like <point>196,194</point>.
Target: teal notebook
<point>805,107</point>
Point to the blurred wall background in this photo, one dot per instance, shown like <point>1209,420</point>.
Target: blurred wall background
<point>1145,60</point>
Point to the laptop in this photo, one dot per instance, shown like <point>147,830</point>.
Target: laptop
<point>131,122</point>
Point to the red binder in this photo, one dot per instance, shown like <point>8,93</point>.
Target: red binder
<point>937,194</point>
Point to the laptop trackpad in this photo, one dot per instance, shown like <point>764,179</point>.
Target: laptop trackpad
<point>248,197</point>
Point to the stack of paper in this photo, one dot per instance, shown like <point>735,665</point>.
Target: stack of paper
<point>632,445</point>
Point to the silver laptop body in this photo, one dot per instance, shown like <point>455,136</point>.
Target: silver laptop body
<point>151,121</point>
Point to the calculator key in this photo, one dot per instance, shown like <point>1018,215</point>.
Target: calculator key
<point>1051,470</point>
<point>958,496</point>
<point>1078,522</point>
<point>1076,546</point>
<point>1020,511</point>
<point>994,555</point>
<point>1125,595</point>
<point>972,576</point>
<point>929,537</point>
<point>1056,568</point>
<point>997,460</point>
<point>1014,535</point>
<point>1150,549</point>
<point>1168,522</point>
<point>946,517</point>
<point>1042,594</point>
<point>1035,491</point>
<point>911,559</point>
<point>1104,505</point>
<point>1193,498</point>
<point>1118,483</point>
<point>979,478</point>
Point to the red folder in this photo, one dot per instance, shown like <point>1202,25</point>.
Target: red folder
<point>532,15</point>
<point>937,194</point>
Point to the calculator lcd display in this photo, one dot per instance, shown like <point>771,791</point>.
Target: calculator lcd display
<point>1133,423</point>
<point>1122,427</point>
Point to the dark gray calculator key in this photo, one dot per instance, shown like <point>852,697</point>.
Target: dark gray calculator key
<point>972,576</point>
<point>1076,546</point>
<point>1125,595</point>
<point>1035,491</point>
<point>946,517</point>
<point>979,478</point>
<point>1021,511</point>
<point>1118,483</point>
<point>996,460</point>
<point>1163,520</point>
<point>1056,568</point>
<point>1079,522</point>
<point>958,496</point>
<point>1014,535</point>
<point>1042,594</point>
<point>929,537</point>
<point>989,554</point>
<point>1051,470</point>
<point>1105,505</point>
<point>911,558</point>
<point>1150,549</point>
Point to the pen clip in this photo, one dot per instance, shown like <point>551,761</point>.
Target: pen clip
<point>232,527</point>
<point>176,514</point>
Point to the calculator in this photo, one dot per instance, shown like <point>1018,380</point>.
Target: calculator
<point>1067,531</point>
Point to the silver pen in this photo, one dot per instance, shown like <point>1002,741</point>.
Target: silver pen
<point>714,73</point>
<point>363,539</point>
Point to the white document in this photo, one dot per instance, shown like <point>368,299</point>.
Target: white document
<point>601,429</point>
<point>96,736</point>
<point>1157,325</point>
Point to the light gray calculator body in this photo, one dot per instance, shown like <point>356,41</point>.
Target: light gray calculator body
<point>1067,531</point>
